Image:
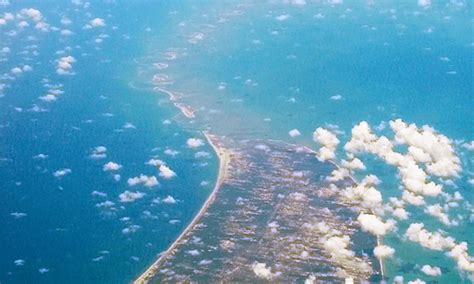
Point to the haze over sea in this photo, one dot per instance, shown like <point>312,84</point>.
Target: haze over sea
<point>84,131</point>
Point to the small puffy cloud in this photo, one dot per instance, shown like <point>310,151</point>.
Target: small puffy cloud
<point>16,70</point>
<point>111,166</point>
<point>48,98</point>
<point>435,241</point>
<point>400,213</point>
<point>383,251</point>
<point>336,97</point>
<point>283,17</point>
<point>131,229</point>
<point>336,246</point>
<point>194,142</point>
<point>99,152</point>
<point>18,215</point>
<point>66,32</point>
<point>34,14</point>
<point>374,225</point>
<point>155,162</point>
<point>9,17</point>
<point>166,172</point>
<point>129,125</point>
<point>105,205</point>
<point>169,200</point>
<point>294,132</point>
<point>2,22</point>
<point>354,164</point>
<point>40,156</point>
<point>325,138</point>
<point>65,21</point>
<point>424,3</point>
<point>171,152</point>
<point>64,65</point>
<point>298,2</point>
<point>328,142</point>
<point>416,281</point>
<point>147,181</point>
<point>23,24</point>
<point>27,68</point>
<point>19,262</point>
<point>129,196</point>
<point>438,211</point>
<point>262,271</point>
<point>469,145</point>
<point>97,22</point>
<point>61,172</point>
<point>431,270</point>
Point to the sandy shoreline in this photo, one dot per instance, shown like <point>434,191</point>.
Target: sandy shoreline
<point>186,110</point>
<point>224,156</point>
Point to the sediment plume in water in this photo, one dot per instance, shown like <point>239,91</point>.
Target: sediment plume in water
<point>268,219</point>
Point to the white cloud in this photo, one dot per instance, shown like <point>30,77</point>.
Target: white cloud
<point>434,241</point>
<point>97,22</point>
<point>336,97</point>
<point>9,16</point>
<point>64,65</point>
<point>169,200</point>
<point>294,132</point>
<point>261,270</point>
<point>416,281</point>
<point>65,21</point>
<point>129,125</point>
<point>282,17</point>
<point>354,164</point>
<point>66,33</point>
<point>336,246</point>
<point>194,142</point>
<point>61,172</point>
<point>148,181</point>
<point>424,3</point>
<point>27,68</point>
<point>19,262</point>
<point>129,196</point>
<point>155,162</point>
<point>111,166</point>
<point>23,24</point>
<point>431,270</point>
<point>99,152</point>
<point>459,253</point>
<point>374,224</point>
<point>368,196</point>
<point>328,141</point>
<point>16,70</point>
<point>437,211</point>
<point>400,213</point>
<point>171,152</point>
<point>34,14</point>
<point>48,98</point>
<point>296,2</point>
<point>166,172</point>
<point>469,145</point>
<point>383,251</point>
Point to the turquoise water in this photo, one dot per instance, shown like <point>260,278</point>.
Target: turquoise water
<point>383,60</point>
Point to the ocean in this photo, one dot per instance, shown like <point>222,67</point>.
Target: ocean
<point>249,70</point>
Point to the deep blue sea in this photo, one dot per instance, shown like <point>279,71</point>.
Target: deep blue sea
<point>249,69</point>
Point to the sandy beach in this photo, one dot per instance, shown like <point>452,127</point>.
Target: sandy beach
<point>224,156</point>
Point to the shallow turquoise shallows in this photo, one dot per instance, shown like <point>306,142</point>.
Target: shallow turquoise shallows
<point>250,69</point>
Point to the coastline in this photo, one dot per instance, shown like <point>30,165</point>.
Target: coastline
<point>224,156</point>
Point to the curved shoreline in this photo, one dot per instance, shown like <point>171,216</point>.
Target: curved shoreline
<point>224,156</point>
